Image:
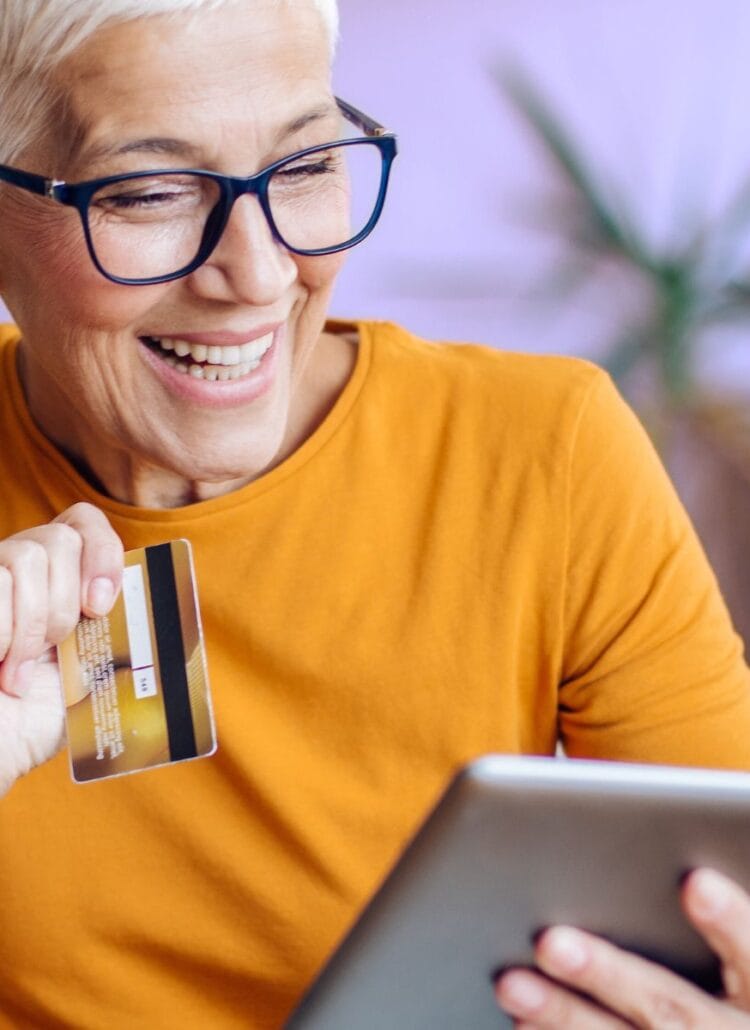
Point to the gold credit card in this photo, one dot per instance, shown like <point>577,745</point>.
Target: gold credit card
<point>135,685</point>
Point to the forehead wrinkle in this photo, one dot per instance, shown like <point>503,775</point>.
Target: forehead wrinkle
<point>184,148</point>
<point>159,146</point>
<point>111,104</point>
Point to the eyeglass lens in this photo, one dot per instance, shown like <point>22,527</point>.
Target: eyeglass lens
<point>143,228</point>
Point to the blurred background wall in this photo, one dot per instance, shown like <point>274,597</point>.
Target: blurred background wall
<point>656,93</point>
<point>488,237</point>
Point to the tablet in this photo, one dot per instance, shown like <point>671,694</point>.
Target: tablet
<point>517,844</point>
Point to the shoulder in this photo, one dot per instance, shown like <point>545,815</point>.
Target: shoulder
<point>471,364</point>
<point>525,394</point>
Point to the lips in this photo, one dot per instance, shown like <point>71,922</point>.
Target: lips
<point>210,361</point>
<point>215,370</point>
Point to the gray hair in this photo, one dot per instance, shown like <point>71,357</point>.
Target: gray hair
<point>37,35</point>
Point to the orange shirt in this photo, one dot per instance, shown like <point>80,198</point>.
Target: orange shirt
<point>474,552</point>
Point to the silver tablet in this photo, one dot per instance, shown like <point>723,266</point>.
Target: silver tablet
<point>514,845</point>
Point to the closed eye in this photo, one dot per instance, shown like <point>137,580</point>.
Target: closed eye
<point>166,197</point>
<point>125,200</point>
<point>299,171</point>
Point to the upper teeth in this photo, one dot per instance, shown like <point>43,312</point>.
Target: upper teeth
<point>244,354</point>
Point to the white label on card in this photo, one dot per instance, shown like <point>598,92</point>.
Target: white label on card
<point>144,681</point>
<point>139,634</point>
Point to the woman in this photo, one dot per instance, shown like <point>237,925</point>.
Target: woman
<point>407,555</point>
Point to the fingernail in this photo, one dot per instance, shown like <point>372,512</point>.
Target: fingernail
<point>24,678</point>
<point>711,893</point>
<point>101,595</point>
<point>522,992</point>
<point>565,949</point>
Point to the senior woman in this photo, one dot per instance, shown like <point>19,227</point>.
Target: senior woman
<point>407,554</point>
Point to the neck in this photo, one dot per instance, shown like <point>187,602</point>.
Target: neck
<point>131,478</point>
<point>138,483</point>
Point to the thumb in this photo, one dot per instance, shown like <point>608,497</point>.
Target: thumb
<point>31,727</point>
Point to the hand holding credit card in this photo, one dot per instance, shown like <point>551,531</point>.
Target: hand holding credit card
<point>134,682</point>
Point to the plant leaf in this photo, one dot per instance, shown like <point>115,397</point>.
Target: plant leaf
<point>611,228</point>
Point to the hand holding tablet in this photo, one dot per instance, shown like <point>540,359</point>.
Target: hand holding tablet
<point>518,845</point>
<point>642,993</point>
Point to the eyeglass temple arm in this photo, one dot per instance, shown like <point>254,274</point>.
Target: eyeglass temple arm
<point>368,125</point>
<point>27,181</point>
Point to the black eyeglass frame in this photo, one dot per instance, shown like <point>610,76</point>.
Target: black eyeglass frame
<point>231,188</point>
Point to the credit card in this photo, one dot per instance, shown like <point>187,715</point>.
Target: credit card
<point>135,683</point>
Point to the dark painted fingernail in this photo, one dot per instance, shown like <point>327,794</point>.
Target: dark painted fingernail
<point>500,971</point>
<point>684,876</point>
<point>538,934</point>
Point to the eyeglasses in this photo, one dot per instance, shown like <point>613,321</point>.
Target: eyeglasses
<point>154,226</point>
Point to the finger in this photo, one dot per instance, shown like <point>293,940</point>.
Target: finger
<point>101,558</point>
<point>6,611</point>
<point>537,1002</point>
<point>32,729</point>
<point>26,561</point>
<point>63,545</point>
<point>638,990</point>
<point>41,722</point>
<point>720,911</point>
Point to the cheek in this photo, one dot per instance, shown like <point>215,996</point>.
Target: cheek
<point>38,236</point>
<point>46,275</point>
<point>43,260</point>
<point>318,274</point>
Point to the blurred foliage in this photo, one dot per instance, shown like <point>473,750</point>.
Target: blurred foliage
<point>694,285</point>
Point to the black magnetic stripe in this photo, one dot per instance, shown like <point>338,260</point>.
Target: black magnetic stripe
<point>171,649</point>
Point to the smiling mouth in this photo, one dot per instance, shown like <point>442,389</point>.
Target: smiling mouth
<point>215,364</point>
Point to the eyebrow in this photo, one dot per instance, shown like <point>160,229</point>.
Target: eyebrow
<point>316,115</point>
<point>166,146</point>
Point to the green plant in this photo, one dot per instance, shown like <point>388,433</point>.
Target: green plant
<point>694,285</point>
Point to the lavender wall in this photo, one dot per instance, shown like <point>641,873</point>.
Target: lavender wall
<point>658,91</point>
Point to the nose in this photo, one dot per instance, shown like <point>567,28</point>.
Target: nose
<point>248,264</point>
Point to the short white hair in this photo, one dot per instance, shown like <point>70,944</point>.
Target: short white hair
<point>37,35</point>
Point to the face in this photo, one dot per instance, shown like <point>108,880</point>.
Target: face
<point>220,91</point>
